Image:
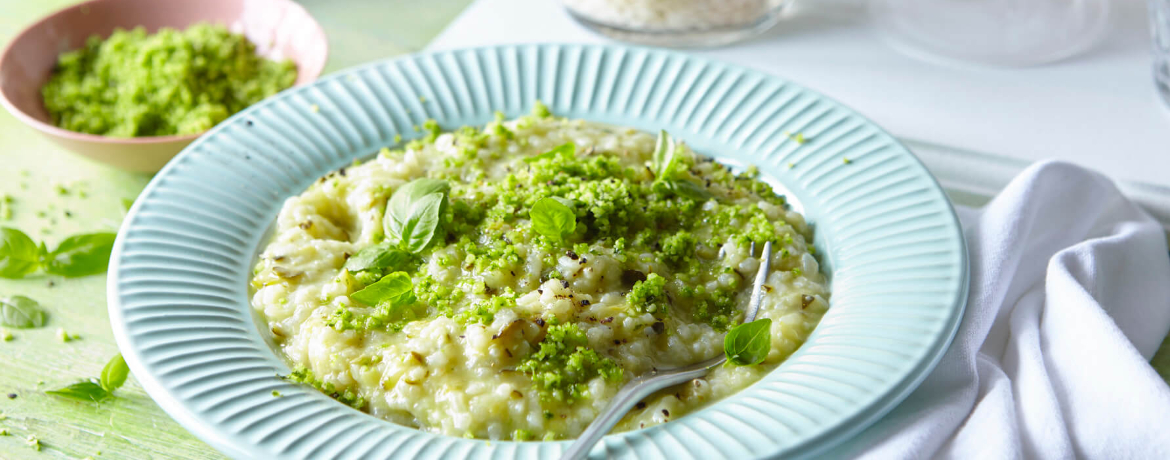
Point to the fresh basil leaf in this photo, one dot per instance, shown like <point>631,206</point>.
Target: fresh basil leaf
<point>21,312</point>
<point>412,215</point>
<point>403,199</point>
<point>664,157</point>
<point>553,219</point>
<point>566,150</point>
<point>395,288</point>
<point>81,255</point>
<point>688,189</point>
<point>18,254</point>
<point>114,374</point>
<point>423,224</point>
<point>85,390</point>
<point>378,257</point>
<point>749,343</point>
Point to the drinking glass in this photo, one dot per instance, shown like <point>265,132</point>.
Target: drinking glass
<point>992,32</point>
<point>1160,28</point>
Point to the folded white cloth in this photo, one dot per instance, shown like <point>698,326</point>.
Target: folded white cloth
<point>1070,297</point>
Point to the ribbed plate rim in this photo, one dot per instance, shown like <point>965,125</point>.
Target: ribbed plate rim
<point>858,419</point>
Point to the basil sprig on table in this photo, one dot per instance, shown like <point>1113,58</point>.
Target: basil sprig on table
<point>413,214</point>
<point>78,255</point>
<point>748,343</point>
<point>553,218</point>
<point>19,255</point>
<point>113,377</point>
<point>114,374</point>
<point>21,312</point>
<point>665,162</point>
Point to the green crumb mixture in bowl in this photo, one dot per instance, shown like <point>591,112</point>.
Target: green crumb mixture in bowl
<point>172,82</point>
<point>504,281</point>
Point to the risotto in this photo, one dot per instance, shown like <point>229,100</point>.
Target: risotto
<point>504,282</point>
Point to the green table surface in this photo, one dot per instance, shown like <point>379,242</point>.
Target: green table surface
<point>133,426</point>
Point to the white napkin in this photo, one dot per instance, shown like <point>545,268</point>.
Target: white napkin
<point>1070,297</point>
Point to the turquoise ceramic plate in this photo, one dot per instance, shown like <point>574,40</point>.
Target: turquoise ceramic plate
<point>178,284</point>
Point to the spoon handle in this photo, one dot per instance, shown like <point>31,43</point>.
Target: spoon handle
<point>625,399</point>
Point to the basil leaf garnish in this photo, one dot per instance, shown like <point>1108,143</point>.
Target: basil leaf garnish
<point>749,343</point>
<point>395,289</point>
<point>567,150</point>
<point>114,374</point>
<point>21,312</point>
<point>553,219</point>
<point>19,255</point>
<point>81,255</point>
<point>378,257</point>
<point>688,189</point>
<point>423,224</point>
<point>86,390</point>
<point>664,158</point>
<point>412,215</point>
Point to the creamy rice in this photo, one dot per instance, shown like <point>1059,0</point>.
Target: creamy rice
<point>463,358</point>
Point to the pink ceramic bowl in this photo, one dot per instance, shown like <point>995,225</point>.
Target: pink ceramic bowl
<point>279,28</point>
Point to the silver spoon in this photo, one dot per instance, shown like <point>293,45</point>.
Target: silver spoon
<point>646,384</point>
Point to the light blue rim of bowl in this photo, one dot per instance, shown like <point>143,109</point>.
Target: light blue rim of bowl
<point>889,240</point>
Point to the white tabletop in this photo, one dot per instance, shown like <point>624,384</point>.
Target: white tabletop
<point>1098,109</point>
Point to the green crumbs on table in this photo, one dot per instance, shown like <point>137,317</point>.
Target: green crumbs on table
<point>65,336</point>
<point>171,82</point>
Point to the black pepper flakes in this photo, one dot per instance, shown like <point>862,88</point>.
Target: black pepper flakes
<point>571,254</point>
<point>806,301</point>
<point>658,327</point>
<point>585,303</point>
<point>539,322</point>
<point>607,320</point>
<point>565,284</point>
<point>584,261</point>
<point>248,122</point>
<point>641,405</point>
<point>11,395</point>
<point>665,413</point>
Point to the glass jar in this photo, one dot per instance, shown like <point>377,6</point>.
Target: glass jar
<point>677,23</point>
